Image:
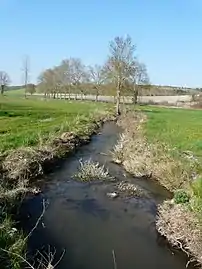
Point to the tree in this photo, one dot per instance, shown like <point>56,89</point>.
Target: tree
<point>31,88</point>
<point>79,75</point>
<point>139,78</point>
<point>97,78</point>
<point>25,70</point>
<point>120,65</point>
<point>4,81</point>
<point>66,76</point>
<point>47,82</point>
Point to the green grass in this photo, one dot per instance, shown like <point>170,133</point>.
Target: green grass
<point>25,122</point>
<point>180,128</point>
<point>19,92</point>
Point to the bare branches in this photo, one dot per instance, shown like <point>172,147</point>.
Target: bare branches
<point>122,71</point>
<point>38,221</point>
<point>138,78</point>
<point>97,78</point>
<point>4,80</point>
<point>120,65</point>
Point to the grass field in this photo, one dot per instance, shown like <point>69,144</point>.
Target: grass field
<point>25,122</point>
<point>180,128</point>
<point>19,92</point>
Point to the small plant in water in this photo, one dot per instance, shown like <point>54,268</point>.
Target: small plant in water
<point>90,171</point>
<point>181,197</point>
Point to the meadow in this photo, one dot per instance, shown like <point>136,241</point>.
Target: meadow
<point>26,122</point>
<point>180,128</point>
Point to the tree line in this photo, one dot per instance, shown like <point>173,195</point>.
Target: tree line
<point>121,71</point>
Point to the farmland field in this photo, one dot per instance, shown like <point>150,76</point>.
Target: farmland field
<point>26,122</point>
<point>180,128</point>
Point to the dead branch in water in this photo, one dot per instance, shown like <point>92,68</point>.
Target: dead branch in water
<point>114,259</point>
<point>37,223</point>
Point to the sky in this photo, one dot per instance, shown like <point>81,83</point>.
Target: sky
<point>167,33</point>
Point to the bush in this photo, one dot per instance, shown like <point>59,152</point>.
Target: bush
<point>181,197</point>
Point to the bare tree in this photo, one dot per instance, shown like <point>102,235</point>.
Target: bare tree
<point>25,70</point>
<point>66,76</point>
<point>120,64</point>
<point>139,78</point>
<point>4,81</point>
<point>79,75</point>
<point>97,77</point>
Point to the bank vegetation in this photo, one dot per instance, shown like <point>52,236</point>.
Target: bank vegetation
<point>154,146</point>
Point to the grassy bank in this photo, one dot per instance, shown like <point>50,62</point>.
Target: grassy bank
<point>28,122</point>
<point>178,128</point>
<point>32,134</point>
<point>165,144</point>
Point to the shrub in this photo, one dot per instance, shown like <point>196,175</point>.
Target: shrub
<point>181,197</point>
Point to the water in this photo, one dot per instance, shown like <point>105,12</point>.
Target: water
<point>81,219</point>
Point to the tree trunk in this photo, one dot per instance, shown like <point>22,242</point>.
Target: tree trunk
<point>96,97</point>
<point>118,93</point>
<point>2,89</point>
<point>135,95</point>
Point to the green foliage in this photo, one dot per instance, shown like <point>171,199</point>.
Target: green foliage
<point>181,197</point>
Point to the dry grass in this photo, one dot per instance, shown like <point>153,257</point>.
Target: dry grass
<point>24,163</point>
<point>130,189</point>
<point>143,159</point>
<point>91,171</point>
<point>175,169</point>
<point>181,227</point>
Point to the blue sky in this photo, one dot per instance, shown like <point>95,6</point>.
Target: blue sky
<point>168,35</point>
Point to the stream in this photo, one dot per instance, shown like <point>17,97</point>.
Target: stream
<point>95,231</point>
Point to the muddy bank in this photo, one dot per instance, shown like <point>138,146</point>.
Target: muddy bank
<point>89,225</point>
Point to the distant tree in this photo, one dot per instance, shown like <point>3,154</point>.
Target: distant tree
<point>25,70</point>
<point>66,76</point>
<point>97,78</point>
<point>120,64</point>
<point>4,81</point>
<point>31,88</point>
<point>47,83</point>
<point>139,78</point>
<point>79,75</point>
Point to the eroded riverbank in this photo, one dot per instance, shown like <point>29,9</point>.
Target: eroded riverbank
<point>81,219</point>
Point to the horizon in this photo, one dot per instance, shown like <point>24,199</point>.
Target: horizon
<point>167,36</point>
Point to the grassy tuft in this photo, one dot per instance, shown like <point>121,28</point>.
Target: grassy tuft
<point>12,244</point>
<point>92,171</point>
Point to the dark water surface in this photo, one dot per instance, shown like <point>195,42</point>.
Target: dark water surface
<point>81,219</point>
